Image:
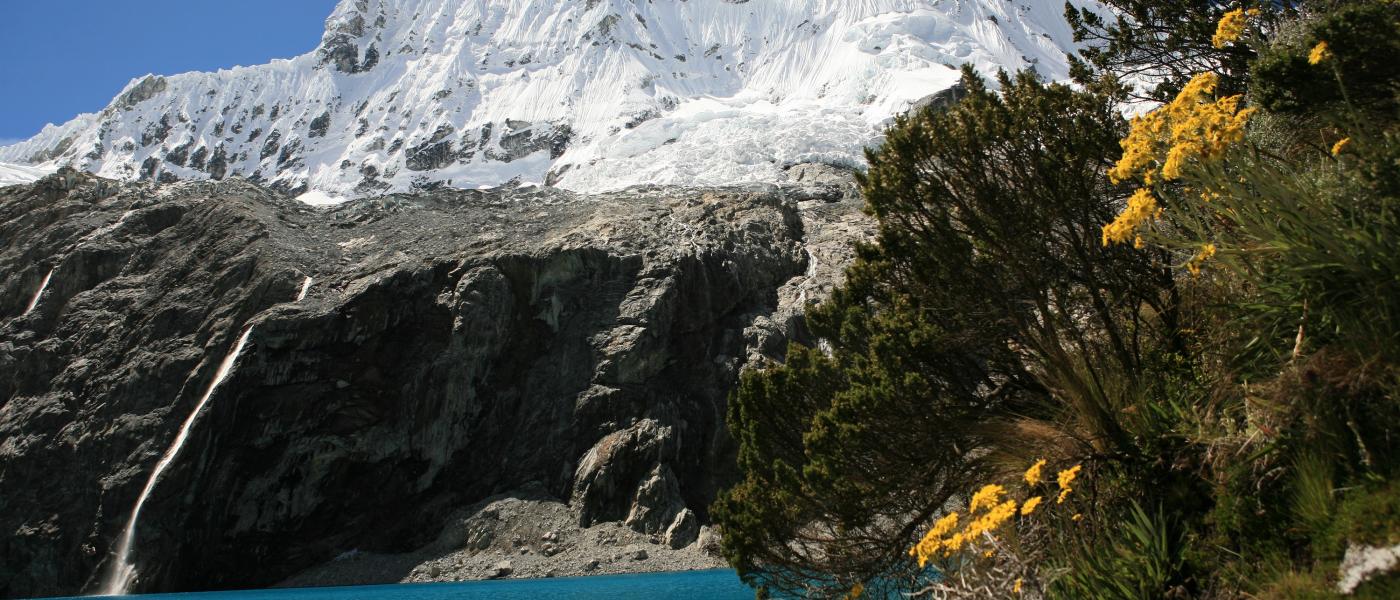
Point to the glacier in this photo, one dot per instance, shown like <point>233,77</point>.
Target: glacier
<point>587,95</point>
<point>16,174</point>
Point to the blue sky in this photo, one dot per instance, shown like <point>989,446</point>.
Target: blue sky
<point>59,58</point>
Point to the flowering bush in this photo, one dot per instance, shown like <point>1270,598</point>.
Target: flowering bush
<point>991,518</point>
<point>1202,307</point>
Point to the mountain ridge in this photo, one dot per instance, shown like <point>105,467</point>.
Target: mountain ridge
<point>590,95</point>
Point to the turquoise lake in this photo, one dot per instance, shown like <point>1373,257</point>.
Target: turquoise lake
<point>691,585</point>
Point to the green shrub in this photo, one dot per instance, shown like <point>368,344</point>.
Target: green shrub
<point>1141,559</point>
<point>1366,61</point>
<point>1235,367</point>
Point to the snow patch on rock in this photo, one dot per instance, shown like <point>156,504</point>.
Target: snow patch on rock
<point>320,198</point>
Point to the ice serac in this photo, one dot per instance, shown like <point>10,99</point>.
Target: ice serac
<point>11,174</point>
<point>587,94</point>
<point>455,346</point>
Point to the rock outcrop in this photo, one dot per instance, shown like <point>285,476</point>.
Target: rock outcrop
<point>454,346</point>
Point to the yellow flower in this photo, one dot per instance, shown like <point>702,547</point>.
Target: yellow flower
<point>1320,52</point>
<point>989,553</point>
<point>1200,86</point>
<point>933,540</point>
<point>1139,148</point>
<point>1194,126</point>
<point>1340,145</point>
<point>1230,29</point>
<point>992,518</point>
<point>1139,210</point>
<point>1033,473</point>
<point>996,517</point>
<point>1206,253</point>
<point>1029,506</point>
<point>856,591</point>
<point>987,497</point>
<point>955,544</point>
<point>988,523</point>
<point>1202,130</point>
<point>1077,517</point>
<point>945,525</point>
<point>1066,480</point>
<point>1017,587</point>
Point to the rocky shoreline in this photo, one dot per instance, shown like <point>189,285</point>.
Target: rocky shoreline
<point>513,537</point>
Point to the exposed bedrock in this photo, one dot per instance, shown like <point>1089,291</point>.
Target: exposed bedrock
<point>454,346</point>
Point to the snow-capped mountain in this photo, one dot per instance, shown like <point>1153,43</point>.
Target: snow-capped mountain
<point>585,94</point>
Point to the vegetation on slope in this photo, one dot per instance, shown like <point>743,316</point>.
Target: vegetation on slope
<point>1090,357</point>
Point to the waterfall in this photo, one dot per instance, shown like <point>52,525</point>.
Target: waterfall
<point>121,573</point>
<point>305,287</point>
<point>42,286</point>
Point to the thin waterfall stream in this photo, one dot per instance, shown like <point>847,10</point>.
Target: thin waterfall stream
<point>122,572</point>
<point>305,287</point>
<point>33,302</point>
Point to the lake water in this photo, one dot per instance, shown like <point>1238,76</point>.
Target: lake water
<point>690,585</point>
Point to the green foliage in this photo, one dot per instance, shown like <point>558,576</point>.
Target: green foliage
<point>1293,585</point>
<point>829,453</point>
<point>1313,489</point>
<point>1140,560</point>
<point>1365,515</point>
<point>1164,41</point>
<point>987,253</point>
<point>1310,236</point>
<point>1238,373</point>
<point>990,217</point>
<point>1369,515</point>
<point>1366,63</point>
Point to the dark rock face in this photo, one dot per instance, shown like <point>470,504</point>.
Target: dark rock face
<point>272,145</point>
<point>147,89</point>
<point>523,139</point>
<point>940,101</point>
<point>319,125</point>
<point>434,153</point>
<point>218,164</point>
<point>454,346</point>
<point>340,46</point>
<point>157,132</point>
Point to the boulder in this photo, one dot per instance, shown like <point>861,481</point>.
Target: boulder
<point>683,531</point>
<point>657,502</point>
<point>606,483</point>
<point>501,569</point>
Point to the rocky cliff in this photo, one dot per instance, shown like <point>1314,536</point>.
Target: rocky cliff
<point>451,347</point>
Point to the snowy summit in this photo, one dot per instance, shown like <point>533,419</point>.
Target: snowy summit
<point>588,95</point>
